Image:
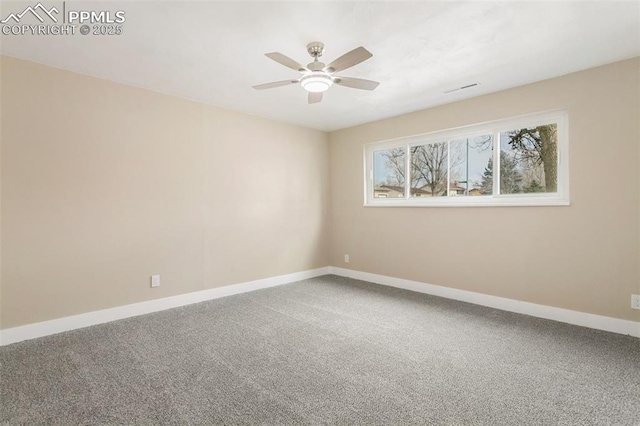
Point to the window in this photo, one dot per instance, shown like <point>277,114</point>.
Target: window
<point>519,161</point>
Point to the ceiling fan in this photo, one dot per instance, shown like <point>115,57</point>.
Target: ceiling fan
<point>318,77</point>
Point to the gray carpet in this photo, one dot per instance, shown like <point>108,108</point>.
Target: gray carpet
<point>328,350</point>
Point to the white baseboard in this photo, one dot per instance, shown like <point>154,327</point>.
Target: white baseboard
<point>45,328</point>
<point>598,322</point>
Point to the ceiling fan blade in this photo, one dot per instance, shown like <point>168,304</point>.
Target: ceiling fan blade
<point>275,84</point>
<point>315,97</point>
<point>286,61</point>
<point>356,83</point>
<point>357,55</point>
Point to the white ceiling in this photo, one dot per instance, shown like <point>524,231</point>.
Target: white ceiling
<point>214,51</point>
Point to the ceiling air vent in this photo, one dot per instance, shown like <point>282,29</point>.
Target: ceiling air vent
<point>463,87</point>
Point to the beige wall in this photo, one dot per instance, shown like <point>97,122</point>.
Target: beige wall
<point>104,185</point>
<point>584,257</point>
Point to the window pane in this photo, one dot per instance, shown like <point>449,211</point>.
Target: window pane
<point>529,160</point>
<point>471,162</point>
<point>388,173</point>
<point>429,170</point>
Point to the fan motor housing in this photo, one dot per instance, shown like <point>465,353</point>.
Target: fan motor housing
<point>315,66</point>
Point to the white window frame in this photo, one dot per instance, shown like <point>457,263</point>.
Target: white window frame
<point>559,198</point>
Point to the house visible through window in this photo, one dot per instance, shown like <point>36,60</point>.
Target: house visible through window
<point>520,161</point>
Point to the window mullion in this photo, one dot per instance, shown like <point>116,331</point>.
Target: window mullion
<point>496,163</point>
<point>407,176</point>
<point>448,166</point>
<point>371,192</point>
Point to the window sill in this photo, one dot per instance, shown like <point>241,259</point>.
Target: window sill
<point>473,202</point>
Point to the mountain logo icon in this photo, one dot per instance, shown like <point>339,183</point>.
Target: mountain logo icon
<point>38,11</point>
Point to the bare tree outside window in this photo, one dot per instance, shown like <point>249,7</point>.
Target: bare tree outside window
<point>389,173</point>
<point>429,167</point>
<point>537,147</point>
<point>528,161</point>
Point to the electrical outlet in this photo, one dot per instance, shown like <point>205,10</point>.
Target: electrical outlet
<point>635,301</point>
<point>155,280</point>
<point>346,258</point>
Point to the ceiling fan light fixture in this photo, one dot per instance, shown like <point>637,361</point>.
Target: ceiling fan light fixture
<point>316,82</point>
